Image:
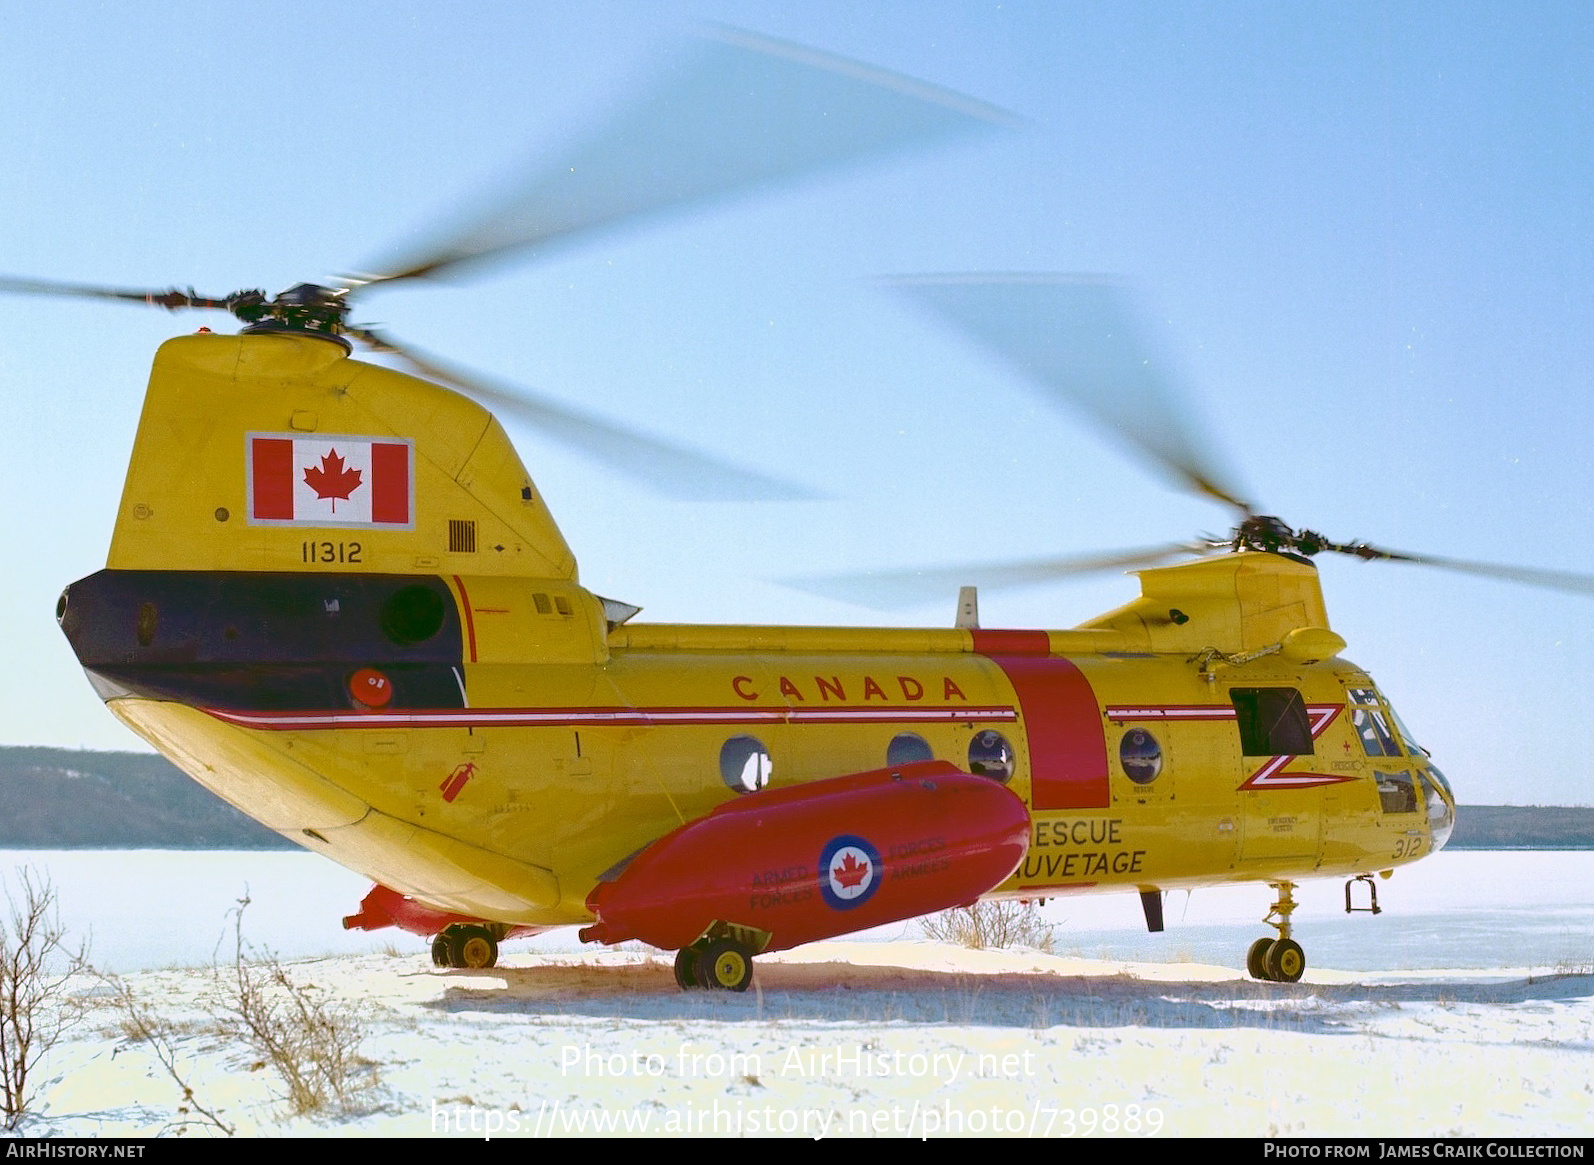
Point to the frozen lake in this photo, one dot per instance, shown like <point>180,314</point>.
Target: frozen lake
<point>1511,910</point>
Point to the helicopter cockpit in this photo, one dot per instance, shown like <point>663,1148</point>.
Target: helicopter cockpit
<point>1408,781</point>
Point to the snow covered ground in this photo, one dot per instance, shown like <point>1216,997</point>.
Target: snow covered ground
<point>903,1037</point>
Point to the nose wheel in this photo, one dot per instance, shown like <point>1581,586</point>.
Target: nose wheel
<point>1256,957</point>
<point>1279,960</point>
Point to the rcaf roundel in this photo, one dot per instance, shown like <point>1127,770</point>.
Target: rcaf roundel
<point>849,872</point>
<point>363,482</point>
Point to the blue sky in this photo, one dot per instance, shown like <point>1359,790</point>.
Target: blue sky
<point>1364,229</point>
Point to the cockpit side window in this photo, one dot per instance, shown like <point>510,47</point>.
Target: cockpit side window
<point>1396,792</point>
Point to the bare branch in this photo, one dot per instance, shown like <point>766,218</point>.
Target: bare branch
<point>311,1042</point>
<point>146,1027</point>
<point>37,1004</point>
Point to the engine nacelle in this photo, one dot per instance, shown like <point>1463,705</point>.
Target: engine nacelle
<point>819,860</point>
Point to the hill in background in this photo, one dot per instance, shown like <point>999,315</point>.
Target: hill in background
<point>55,798</point>
<point>1523,827</point>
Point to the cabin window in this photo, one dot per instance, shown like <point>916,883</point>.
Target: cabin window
<point>1140,755</point>
<point>906,748</point>
<point>744,764</point>
<point>1273,722</point>
<point>991,756</point>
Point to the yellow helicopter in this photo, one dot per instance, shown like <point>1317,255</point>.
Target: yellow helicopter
<point>335,597</point>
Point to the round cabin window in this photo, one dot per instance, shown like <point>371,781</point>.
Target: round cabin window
<point>1140,755</point>
<point>744,764</point>
<point>990,755</point>
<point>906,748</point>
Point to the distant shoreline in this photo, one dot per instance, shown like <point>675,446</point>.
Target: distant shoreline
<point>60,798</point>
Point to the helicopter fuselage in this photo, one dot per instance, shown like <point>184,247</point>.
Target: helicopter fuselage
<point>335,598</point>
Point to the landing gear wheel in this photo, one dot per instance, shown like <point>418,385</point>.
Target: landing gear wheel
<point>472,947</point>
<point>1256,958</point>
<point>686,968</point>
<point>1278,960</point>
<point>1286,962</point>
<point>724,965</point>
<point>440,955</point>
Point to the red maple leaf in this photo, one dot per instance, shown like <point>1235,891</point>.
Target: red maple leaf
<point>332,480</point>
<point>850,873</point>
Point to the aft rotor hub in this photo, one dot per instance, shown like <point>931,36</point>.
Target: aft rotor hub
<point>304,307</point>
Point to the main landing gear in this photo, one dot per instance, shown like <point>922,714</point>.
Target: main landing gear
<point>721,964</point>
<point>465,947</point>
<point>1279,960</point>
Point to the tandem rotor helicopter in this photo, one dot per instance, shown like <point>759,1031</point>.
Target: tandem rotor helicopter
<point>334,596</point>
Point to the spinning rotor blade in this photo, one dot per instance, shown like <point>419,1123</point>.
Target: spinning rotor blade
<point>1078,337</point>
<point>171,298</point>
<point>1556,580</point>
<point>671,470</point>
<point>886,590</point>
<point>740,111</point>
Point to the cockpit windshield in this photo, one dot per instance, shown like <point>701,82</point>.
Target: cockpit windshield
<point>1371,724</point>
<point>1405,735</point>
<point>1380,726</point>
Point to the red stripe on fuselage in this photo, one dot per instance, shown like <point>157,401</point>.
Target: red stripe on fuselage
<point>470,623</point>
<point>1271,775</point>
<point>605,717</point>
<point>1062,721</point>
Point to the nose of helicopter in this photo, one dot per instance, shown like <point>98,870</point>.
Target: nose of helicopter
<point>1441,805</point>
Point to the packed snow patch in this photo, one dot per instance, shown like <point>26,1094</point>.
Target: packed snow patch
<point>849,1038</point>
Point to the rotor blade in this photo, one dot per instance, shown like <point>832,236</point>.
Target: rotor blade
<point>671,470</point>
<point>886,590</point>
<point>171,298</point>
<point>740,111</point>
<point>1078,336</point>
<point>1556,580</point>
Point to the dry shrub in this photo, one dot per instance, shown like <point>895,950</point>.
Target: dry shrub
<point>141,1025</point>
<point>38,1004</point>
<point>311,1041</point>
<point>995,924</point>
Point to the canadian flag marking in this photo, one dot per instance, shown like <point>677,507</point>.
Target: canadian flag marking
<point>360,482</point>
